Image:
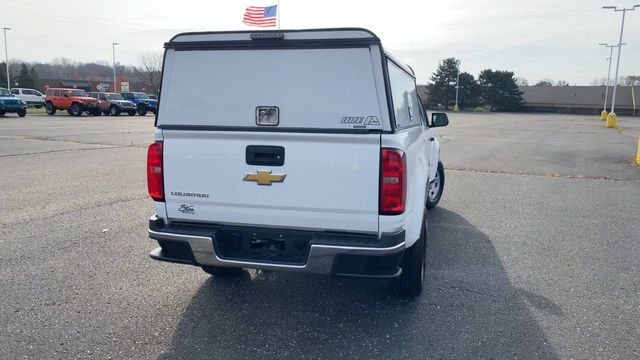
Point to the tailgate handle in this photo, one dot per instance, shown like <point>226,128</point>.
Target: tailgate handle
<point>265,155</point>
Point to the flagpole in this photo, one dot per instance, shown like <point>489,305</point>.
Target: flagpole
<point>278,14</point>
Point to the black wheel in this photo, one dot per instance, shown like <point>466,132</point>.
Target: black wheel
<point>409,284</point>
<point>105,112</point>
<point>2,112</point>
<point>436,187</point>
<point>131,113</point>
<point>142,110</point>
<point>114,111</point>
<point>97,112</point>
<point>22,113</point>
<point>222,271</point>
<point>75,110</point>
<point>50,109</point>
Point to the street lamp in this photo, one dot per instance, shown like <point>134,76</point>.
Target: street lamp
<point>114,65</point>
<point>6,55</point>
<point>603,115</point>
<point>611,118</point>
<point>456,108</point>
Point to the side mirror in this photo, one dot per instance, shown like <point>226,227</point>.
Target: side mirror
<point>439,119</point>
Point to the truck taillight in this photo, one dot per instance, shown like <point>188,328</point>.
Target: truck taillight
<point>392,181</point>
<point>154,171</point>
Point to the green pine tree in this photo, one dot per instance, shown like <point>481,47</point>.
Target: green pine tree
<point>442,88</point>
<point>500,91</point>
<point>35,78</point>
<point>3,74</point>
<point>24,78</point>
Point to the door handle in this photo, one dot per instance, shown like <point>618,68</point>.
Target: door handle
<point>265,155</point>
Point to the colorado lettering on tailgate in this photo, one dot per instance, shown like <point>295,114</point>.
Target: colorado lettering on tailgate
<point>190,194</point>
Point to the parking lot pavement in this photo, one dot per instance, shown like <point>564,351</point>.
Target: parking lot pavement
<point>532,254</point>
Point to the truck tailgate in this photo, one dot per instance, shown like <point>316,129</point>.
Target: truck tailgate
<point>330,180</point>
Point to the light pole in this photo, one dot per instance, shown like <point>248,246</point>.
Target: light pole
<point>611,118</point>
<point>114,65</point>
<point>603,115</point>
<point>6,56</point>
<point>456,108</point>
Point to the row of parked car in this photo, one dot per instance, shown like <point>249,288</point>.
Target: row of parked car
<point>11,104</point>
<point>77,102</point>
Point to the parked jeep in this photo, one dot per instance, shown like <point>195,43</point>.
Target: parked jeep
<point>11,104</point>
<point>30,96</point>
<point>113,103</point>
<point>75,101</point>
<point>142,101</point>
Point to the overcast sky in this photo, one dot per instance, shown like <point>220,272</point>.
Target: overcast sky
<point>536,39</point>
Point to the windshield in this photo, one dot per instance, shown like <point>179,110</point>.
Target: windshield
<point>78,93</point>
<point>5,92</point>
<point>141,96</point>
<point>114,96</point>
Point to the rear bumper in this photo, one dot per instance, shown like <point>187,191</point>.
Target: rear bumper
<point>151,107</point>
<point>12,108</point>
<point>126,107</point>
<point>326,253</point>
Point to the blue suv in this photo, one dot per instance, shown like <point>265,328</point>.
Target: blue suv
<point>142,101</point>
<point>11,104</point>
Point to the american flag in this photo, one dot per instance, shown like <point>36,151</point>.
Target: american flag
<point>260,16</point>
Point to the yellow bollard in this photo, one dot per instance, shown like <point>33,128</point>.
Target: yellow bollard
<point>638,153</point>
<point>603,115</point>
<point>611,121</point>
<point>456,108</point>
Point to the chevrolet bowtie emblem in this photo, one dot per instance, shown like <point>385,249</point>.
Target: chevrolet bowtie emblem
<point>264,177</point>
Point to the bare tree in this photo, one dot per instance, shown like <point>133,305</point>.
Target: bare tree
<point>632,80</point>
<point>622,80</point>
<point>150,71</point>
<point>562,83</point>
<point>520,81</point>
<point>545,82</point>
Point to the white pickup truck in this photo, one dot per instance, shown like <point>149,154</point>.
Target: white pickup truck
<point>304,150</point>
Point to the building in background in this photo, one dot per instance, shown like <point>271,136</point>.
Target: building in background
<point>580,99</point>
<point>570,99</point>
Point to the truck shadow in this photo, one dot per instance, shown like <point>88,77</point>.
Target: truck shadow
<point>470,310</point>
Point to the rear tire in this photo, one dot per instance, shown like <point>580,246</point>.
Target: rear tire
<point>75,110</point>
<point>97,112</point>
<point>435,188</point>
<point>131,113</point>
<point>114,111</point>
<point>413,264</point>
<point>48,107</point>
<point>22,113</point>
<point>142,110</point>
<point>222,271</point>
<point>2,113</point>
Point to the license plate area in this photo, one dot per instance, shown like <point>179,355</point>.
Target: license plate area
<point>280,247</point>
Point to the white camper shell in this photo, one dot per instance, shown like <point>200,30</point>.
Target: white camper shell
<point>299,150</point>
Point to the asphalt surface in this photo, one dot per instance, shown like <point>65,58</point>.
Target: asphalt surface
<point>533,253</point>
